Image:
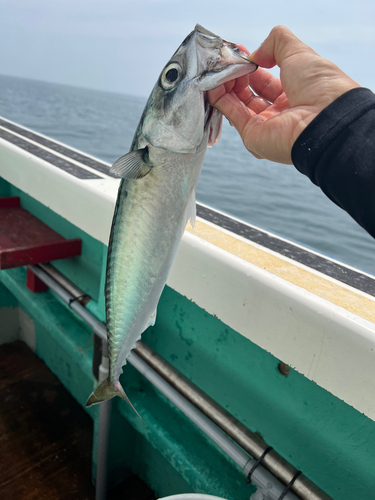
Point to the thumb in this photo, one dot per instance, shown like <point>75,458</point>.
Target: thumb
<point>280,44</point>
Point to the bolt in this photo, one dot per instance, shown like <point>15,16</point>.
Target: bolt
<point>283,369</point>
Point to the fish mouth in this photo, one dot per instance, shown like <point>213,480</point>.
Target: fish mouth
<point>236,49</point>
<point>209,39</point>
<point>221,60</point>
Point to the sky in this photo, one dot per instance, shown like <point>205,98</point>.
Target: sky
<point>121,46</point>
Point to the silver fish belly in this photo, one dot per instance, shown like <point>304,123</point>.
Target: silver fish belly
<point>149,223</point>
<point>157,193</point>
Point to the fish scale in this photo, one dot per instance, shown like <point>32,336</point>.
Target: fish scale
<point>140,239</point>
<point>157,193</point>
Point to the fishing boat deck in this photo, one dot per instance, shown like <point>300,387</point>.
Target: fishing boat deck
<point>46,436</point>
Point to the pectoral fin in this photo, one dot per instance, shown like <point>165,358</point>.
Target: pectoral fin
<point>133,165</point>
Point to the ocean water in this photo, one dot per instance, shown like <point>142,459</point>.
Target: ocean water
<point>271,196</point>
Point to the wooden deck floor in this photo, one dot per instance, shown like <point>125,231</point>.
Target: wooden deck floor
<point>45,436</point>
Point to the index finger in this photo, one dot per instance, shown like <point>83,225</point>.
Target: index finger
<point>265,85</point>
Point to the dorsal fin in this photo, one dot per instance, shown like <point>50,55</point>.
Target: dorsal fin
<point>132,165</point>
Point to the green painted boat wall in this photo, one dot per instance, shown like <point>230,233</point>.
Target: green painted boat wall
<point>332,443</point>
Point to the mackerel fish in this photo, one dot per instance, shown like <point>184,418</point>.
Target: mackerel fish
<point>156,195</point>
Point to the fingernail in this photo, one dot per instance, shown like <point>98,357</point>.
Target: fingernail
<point>250,57</point>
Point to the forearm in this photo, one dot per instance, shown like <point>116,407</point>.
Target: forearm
<point>337,152</point>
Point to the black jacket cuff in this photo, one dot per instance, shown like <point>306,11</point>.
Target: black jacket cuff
<point>337,152</point>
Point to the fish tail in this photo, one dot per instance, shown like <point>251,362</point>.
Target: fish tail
<point>107,390</point>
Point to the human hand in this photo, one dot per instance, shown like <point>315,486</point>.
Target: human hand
<point>270,122</point>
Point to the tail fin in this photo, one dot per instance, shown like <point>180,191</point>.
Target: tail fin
<point>106,391</point>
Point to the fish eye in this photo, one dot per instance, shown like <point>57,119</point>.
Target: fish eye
<point>171,76</point>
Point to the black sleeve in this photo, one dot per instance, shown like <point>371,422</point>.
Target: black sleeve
<point>337,152</point>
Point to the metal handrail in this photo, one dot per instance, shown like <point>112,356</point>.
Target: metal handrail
<point>246,439</point>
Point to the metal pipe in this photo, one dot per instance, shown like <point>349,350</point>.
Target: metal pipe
<point>103,432</point>
<point>248,440</point>
<point>69,286</point>
<point>260,477</point>
<point>98,327</point>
